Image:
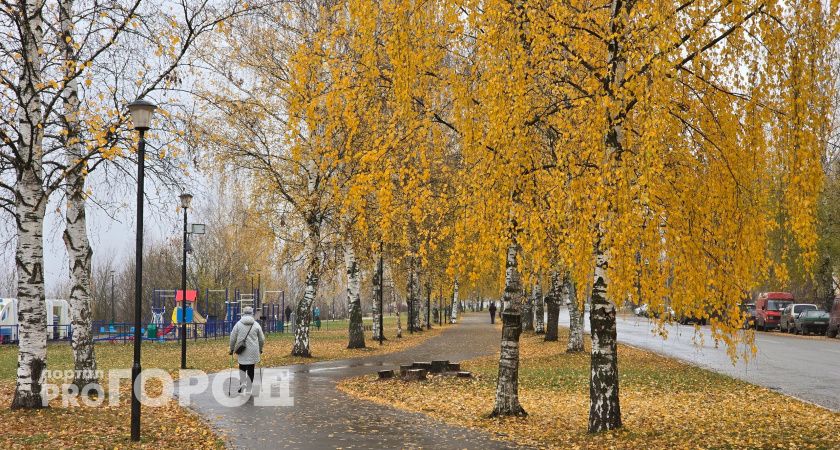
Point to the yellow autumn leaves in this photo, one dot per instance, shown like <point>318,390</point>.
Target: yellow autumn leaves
<point>421,120</point>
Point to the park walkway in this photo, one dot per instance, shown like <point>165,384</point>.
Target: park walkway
<point>322,417</point>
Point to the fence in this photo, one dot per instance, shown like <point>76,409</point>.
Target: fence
<point>9,333</point>
<point>124,332</point>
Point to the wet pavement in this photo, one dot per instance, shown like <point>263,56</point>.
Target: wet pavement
<point>323,417</point>
<point>807,368</point>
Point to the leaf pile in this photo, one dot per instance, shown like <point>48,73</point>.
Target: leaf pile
<point>665,404</point>
<point>169,426</point>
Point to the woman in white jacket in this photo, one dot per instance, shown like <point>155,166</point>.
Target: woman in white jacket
<point>248,332</point>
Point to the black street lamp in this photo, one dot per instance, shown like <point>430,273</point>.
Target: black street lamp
<point>381,295</point>
<point>113,319</point>
<point>185,205</point>
<point>141,116</point>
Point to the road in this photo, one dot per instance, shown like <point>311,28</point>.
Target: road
<point>323,417</point>
<point>807,368</point>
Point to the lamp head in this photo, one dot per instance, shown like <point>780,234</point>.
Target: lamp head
<point>141,113</point>
<point>186,199</point>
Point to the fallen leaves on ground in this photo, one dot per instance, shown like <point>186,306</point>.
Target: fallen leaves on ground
<point>169,426</point>
<point>665,404</point>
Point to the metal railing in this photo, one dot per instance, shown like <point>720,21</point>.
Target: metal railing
<point>9,334</point>
<point>124,332</point>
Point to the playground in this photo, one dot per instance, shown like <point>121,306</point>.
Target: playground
<point>208,316</point>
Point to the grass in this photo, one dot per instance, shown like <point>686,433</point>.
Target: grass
<point>169,426</point>
<point>665,404</point>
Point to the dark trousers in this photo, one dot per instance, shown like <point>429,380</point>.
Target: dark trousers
<point>492,317</point>
<point>249,372</point>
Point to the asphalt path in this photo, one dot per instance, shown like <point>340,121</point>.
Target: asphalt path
<point>804,367</point>
<point>322,417</point>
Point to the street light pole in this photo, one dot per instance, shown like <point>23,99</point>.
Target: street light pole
<point>113,319</point>
<point>141,115</point>
<point>185,204</point>
<point>429,304</point>
<point>381,295</point>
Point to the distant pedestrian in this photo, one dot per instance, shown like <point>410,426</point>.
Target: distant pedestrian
<point>493,312</point>
<point>317,317</point>
<point>288,312</point>
<point>247,341</point>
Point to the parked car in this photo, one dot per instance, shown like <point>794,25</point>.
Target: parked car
<point>687,319</point>
<point>749,314</point>
<point>641,310</point>
<point>791,312</point>
<point>834,320</point>
<point>768,309</point>
<point>811,321</point>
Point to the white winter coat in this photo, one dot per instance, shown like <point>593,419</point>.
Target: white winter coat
<point>254,341</point>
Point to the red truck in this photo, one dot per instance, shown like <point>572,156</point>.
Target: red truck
<point>768,309</point>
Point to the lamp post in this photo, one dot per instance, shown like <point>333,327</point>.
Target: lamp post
<point>141,116</point>
<point>113,319</point>
<point>185,205</point>
<point>381,295</point>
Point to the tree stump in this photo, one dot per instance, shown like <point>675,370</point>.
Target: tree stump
<point>415,375</point>
<point>386,374</point>
<point>422,365</point>
<point>404,368</point>
<point>439,366</point>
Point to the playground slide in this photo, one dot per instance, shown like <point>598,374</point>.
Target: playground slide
<point>198,318</point>
<point>167,330</point>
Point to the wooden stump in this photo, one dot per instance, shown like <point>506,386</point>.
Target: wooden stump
<point>415,375</point>
<point>386,374</point>
<point>404,368</point>
<point>453,367</point>
<point>439,366</point>
<point>427,366</point>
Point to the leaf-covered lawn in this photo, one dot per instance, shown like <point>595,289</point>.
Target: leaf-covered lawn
<point>665,404</point>
<point>169,426</point>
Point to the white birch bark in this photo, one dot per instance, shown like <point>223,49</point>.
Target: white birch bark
<point>575,316</point>
<point>354,303</point>
<point>303,316</point>
<point>604,409</point>
<point>75,234</point>
<point>507,385</point>
<point>30,206</point>
<point>453,318</point>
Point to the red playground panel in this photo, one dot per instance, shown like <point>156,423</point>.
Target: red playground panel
<point>191,295</point>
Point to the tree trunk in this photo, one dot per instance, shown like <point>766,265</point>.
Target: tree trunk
<point>528,311</point>
<point>30,207</point>
<point>75,233</point>
<point>576,315</point>
<point>552,305</point>
<point>354,303</point>
<point>604,409</point>
<point>412,300</point>
<point>539,326</point>
<point>395,300</point>
<point>303,314</point>
<point>454,314</point>
<point>378,293</point>
<point>507,386</point>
